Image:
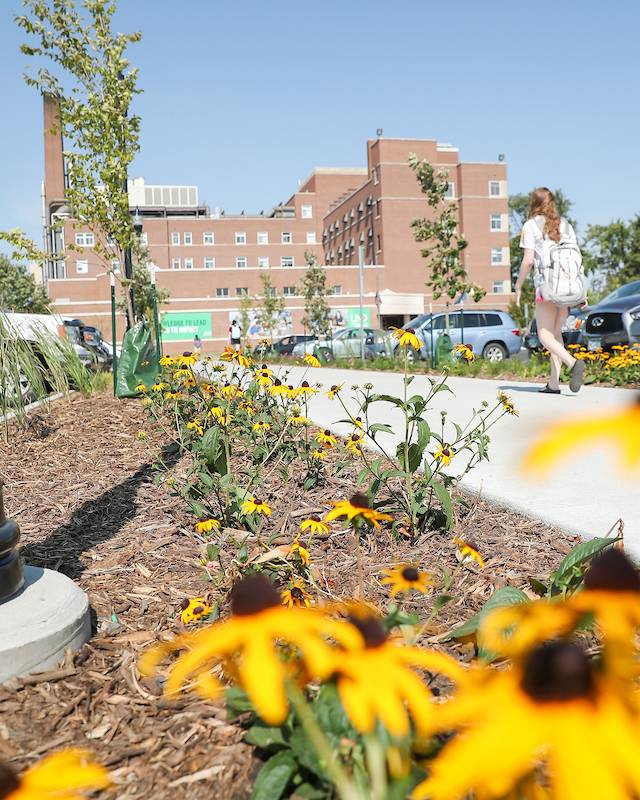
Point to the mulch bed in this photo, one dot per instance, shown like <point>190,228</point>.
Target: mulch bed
<point>80,484</point>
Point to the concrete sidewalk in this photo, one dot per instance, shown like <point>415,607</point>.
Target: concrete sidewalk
<point>585,496</point>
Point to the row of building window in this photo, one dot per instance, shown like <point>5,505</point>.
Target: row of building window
<point>287,291</point>
<point>241,262</point>
<point>83,239</point>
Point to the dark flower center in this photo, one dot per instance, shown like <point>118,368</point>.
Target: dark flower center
<point>327,433</point>
<point>355,437</point>
<point>410,330</point>
<point>360,500</point>
<point>305,384</point>
<point>264,366</point>
<point>297,593</point>
<point>612,571</point>
<point>315,518</point>
<point>557,671</point>
<point>198,609</point>
<point>9,781</point>
<point>334,388</point>
<point>184,605</point>
<point>372,630</point>
<point>446,452</point>
<point>187,353</point>
<point>290,387</point>
<point>252,595</point>
<point>472,545</point>
<point>257,502</point>
<point>410,574</point>
<point>277,382</point>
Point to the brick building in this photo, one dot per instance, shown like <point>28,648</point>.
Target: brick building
<point>207,258</point>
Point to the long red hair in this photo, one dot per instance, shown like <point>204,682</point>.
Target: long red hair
<point>543,203</point>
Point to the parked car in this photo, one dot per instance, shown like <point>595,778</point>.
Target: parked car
<point>615,319</point>
<point>571,330</point>
<point>284,346</point>
<point>492,334</point>
<point>345,343</point>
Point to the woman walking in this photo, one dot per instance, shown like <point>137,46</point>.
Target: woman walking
<point>545,224</point>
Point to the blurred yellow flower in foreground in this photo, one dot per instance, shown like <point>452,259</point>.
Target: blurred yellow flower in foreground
<point>67,775</point>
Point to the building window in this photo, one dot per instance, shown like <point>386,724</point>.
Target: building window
<point>115,266</point>
<point>337,226</point>
<point>378,243</point>
<point>188,263</point>
<point>242,291</point>
<point>208,237</point>
<point>144,238</point>
<point>311,237</point>
<point>496,222</point>
<point>241,237</point>
<point>82,267</point>
<point>336,289</point>
<point>188,238</point>
<point>306,212</point>
<point>175,263</point>
<point>378,208</point>
<point>494,189</point>
<point>263,237</point>
<point>286,237</point>
<point>175,237</point>
<point>496,255</point>
<point>222,291</point>
<point>375,175</point>
<point>84,239</point>
<point>263,262</point>
<point>451,190</point>
<point>209,262</point>
<point>497,287</point>
<point>241,262</point>
<point>288,291</point>
<point>286,261</point>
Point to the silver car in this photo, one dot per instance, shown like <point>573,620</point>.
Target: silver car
<point>345,343</point>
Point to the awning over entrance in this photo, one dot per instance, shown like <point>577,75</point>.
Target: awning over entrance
<point>400,303</point>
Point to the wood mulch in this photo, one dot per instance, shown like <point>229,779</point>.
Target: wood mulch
<point>80,484</point>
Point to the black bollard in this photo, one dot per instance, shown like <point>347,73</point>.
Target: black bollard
<point>11,571</point>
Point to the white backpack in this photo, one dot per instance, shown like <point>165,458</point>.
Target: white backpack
<point>562,279</point>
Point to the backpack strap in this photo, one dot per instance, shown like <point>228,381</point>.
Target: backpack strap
<point>540,221</point>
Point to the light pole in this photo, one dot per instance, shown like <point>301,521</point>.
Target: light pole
<point>361,271</point>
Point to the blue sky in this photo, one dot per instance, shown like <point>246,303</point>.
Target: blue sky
<point>244,98</point>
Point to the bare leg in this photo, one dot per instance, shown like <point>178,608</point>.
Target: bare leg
<point>549,318</point>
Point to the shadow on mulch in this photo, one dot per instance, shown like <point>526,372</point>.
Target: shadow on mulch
<point>94,522</point>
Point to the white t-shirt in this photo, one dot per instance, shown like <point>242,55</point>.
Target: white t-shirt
<point>532,239</point>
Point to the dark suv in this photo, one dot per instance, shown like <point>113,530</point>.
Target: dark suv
<point>285,345</point>
<point>615,320</point>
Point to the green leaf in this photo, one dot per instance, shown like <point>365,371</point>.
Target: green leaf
<point>212,448</point>
<point>578,557</point>
<point>305,753</point>
<point>467,628</point>
<point>383,427</point>
<point>310,792</point>
<point>386,398</point>
<point>507,596</point>
<point>411,457</point>
<point>265,738</point>
<point>274,777</point>
<point>445,501</point>
<point>237,702</point>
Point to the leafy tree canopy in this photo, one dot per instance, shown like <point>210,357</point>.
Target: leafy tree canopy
<point>19,291</point>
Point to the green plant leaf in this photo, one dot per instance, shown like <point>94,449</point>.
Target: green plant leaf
<point>266,738</point>
<point>237,702</point>
<point>445,501</point>
<point>274,777</point>
<point>507,596</point>
<point>577,558</point>
<point>383,427</point>
<point>212,448</point>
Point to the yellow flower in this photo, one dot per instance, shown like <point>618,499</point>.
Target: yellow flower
<point>325,438</point>
<point>249,640</point>
<point>231,354</point>
<point>146,402</point>
<point>253,506</point>
<point>468,552</point>
<point>555,705</point>
<point>194,425</point>
<point>465,351</point>
<point>334,390</point>
<point>356,508</point>
<point>184,374</point>
<point>314,525</point>
<point>142,435</point>
<point>172,395</point>
<point>406,338</point>
<point>507,403</point>
<point>298,551</point>
<point>377,682</point>
<point>298,421</point>
<point>248,406</point>
<point>296,595</point>
<point>354,443</point>
<point>311,360</point>
<point>230,391</point>
<point>319,455</point>
<point>563,439</point>
<point>264,376</point>
<point>405,577</point>
<point>444,454</point>
<point>207,525</point>
<point>194,610</point>
<point>167,361</point>
<point>260,427</point>
<point>305,389</point>
<point>66,775</point>
<point>278,389</point>
<point>187,359</point>
<point>141,387</point>
<point>158,387</point>
<point>357,421</point>
<point>216,411</point>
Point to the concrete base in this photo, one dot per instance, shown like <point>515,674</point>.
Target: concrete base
<point>48,616</point>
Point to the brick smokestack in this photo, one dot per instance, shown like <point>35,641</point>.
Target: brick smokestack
<point>53,158</point>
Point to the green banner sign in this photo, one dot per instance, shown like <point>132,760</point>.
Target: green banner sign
<point>184,325</point>
<point>353,317</point>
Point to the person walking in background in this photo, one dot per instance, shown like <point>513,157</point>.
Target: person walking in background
<point>235,334</point>
<point>197,343</point>
<point>543,232</point>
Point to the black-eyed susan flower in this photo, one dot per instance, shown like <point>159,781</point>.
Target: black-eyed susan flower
<point>264,376</point>
<point>159,387</point>
<point>249,640</point>
<point>354,443</point>
<point>465,352</point>
<point>358,507</point>
<point>142,435</point>
<point>254,506</point>
<point>297,551</point>
<point>146,402</point>
<point>172,395</point>
<point>326,438</point>
<point>305,390</point>
<point>467,551</point>
<point>195,425</point>
<point>66,775</point>
<point>207,525</point>
<point>406,578</point>
<point>296,595</point>
<point>314,525</point>
<point>194,610</point>
<point>231,354</point>
<point>553,705</point>
<point>278,389</point>
<point>377,683</point>
<point>319,455</point>
<point>141,387</point>
<point>217,412</point>
<point>406,338</point>
<point>182,374</point>
<point>261,427</point>
<point>444,454</point>
<point>507,404</point>
<point>167,361</point>
<point>230,391</point>
<point>335,390</point>
<point>621,429</point>
<point>311,360</point>
<point>187,359</point>
<point>298,421</point>
<point>248,407</point>
<point>357,421</point>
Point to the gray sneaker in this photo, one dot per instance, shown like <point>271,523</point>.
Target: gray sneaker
<point>576,376</point>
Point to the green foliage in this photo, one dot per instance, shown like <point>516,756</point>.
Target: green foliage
<point>142,291</point>
<point>19,291</point>
<point>246,304</point>
<point>271,304</point>
<point>317,316</point>
<point>446,272</point>
<point>612,252</point>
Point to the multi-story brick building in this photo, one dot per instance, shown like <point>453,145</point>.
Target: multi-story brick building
<point>208,259</point>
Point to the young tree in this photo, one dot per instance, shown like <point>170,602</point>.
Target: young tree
<point>446,272</point>
<point>271,305</point>
<point>19,291</point>
<point>142,293</point>
<point>317,314</point>
<point>612,252</point>
<point>93,84</point>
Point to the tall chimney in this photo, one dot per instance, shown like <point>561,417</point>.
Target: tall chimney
<point>53,158</point>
